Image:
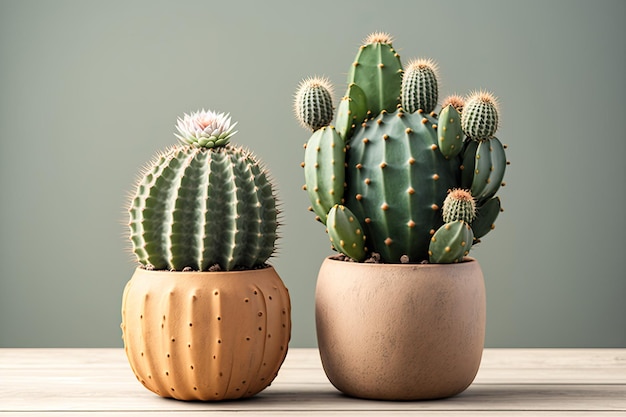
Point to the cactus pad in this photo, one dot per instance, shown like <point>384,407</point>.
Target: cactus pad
<point>351,112</point>
<point>449,133</point>
<point>451,243</point>
<point>484,164</point>
<point>486,215</point>
<point>346,233</point>
<point>378,71</point>
<point>324,170</point>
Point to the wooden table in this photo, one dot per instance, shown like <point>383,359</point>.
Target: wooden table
<point>511,382</point>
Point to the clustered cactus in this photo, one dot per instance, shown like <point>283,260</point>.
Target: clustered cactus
<point>387,174</point>
<point>204,204</point>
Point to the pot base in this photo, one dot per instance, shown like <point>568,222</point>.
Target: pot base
<point>206,336</point>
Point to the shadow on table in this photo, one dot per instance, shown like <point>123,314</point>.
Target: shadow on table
<point>479,397</point>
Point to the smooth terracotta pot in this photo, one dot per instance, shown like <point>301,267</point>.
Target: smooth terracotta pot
<point>400,332</point>
<point>206,335</point>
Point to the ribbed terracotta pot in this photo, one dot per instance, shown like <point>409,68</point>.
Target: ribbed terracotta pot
<point>400,332</point>
<point>206,335</point>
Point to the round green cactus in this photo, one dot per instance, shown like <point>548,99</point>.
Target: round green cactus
<point>480,116</point>
<point>419,86</point>
<point>459,205</point>
<point>201,207</point>
<point>313,103</point>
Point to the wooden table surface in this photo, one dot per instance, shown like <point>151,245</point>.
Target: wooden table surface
<point>511,382</point>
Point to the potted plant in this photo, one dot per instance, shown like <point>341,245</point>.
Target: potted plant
<point>404,194</point>
<point>204,317</point>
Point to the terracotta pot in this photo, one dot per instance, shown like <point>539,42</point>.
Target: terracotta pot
<point>206,335</point>
<point>400,332</point>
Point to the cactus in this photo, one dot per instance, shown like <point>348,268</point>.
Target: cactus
<point>396,181</point>
<point>324,171</point>
<point>204,203</point>
<point>452,241</point>
<point>378,72</point>
<point>313,103</point>
<point>419,86</point>
<point>480,116</point>
<point>346,232</point>
<point>352,110</point>
<point>449,132</point>
<point>459,205</point>
<point>486,217</point>
<point>402,160</point>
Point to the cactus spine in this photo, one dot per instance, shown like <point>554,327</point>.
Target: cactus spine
<point>402,160</point>
<point>200,207</point>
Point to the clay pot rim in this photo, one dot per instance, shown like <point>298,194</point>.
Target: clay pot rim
<point>208,273</point>
<point>468,260</point>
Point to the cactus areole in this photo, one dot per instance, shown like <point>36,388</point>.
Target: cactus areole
<point>390,160</point>
<point>204,204</point>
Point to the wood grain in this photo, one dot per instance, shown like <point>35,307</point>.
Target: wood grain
<point>519,382</point>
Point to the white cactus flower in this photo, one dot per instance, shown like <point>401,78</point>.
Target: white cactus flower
<point>205,129</point>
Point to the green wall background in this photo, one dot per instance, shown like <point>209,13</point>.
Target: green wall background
<point>90,90</point>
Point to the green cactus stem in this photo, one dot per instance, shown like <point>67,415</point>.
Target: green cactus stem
<point>480,116</point>
<point>451,243</point>
<point>449,132</point>
<point>486,215</point>
<point>396,183</point>
<point>484,163</point>
<point>346,233</point>
<point>351,111</point>
<point>419,86</point>
<point>378,71</point>
<point>324,170</point>
<point>313,103</point>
